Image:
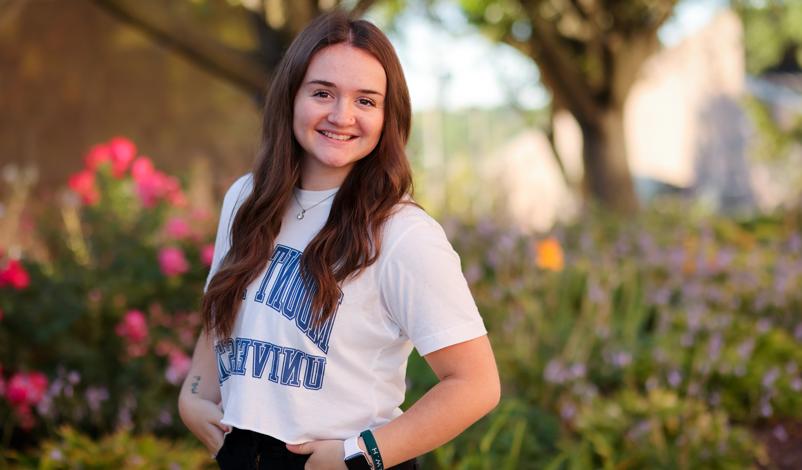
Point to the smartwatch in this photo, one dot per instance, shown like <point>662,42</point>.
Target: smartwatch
<point>355,458</point>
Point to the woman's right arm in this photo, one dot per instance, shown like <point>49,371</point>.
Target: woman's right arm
<point>199,400</point>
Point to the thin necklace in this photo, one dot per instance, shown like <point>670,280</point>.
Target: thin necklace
<point>303,211</point>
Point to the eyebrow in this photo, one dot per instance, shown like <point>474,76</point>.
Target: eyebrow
<point>332,85</point>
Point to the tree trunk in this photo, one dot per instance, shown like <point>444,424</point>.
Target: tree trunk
<point>604,153</point>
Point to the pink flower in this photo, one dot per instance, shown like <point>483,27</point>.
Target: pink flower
<point>177,228</point>
<point>83,184</point>
<point>207,254</point>
<point>26,389</point>
<point>133,327</point>
<point>172,261</point>
<point>152,185</point>
<point>98,154</point>
<point>149,190</point>
<point>14,275</point>
<point>142,168</point>
<point>179,366</point>
<point>123,152</point>
<point>157,185</point>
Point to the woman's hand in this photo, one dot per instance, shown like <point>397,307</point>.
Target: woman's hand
<point>202,417</point>
<point>325,455</point>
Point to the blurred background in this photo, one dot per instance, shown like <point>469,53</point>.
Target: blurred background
<point>622,180</point>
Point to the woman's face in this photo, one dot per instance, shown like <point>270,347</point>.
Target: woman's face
<point>338,114</point>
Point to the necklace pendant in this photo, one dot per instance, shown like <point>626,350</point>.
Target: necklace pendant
<point>300,215</point>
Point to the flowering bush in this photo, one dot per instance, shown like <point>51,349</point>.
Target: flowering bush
<point>663,341</point>
<point>97,333</point>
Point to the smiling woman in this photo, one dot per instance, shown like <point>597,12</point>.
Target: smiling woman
<point>326,274</point>
<point>338,113</point>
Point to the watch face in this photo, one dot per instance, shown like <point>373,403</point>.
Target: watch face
<point>357,462</point>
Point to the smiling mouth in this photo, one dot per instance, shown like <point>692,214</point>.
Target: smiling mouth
<point>339,137</point>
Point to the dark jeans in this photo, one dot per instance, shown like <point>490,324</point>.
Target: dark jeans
<point>248,450</point>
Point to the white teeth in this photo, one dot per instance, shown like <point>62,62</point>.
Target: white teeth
<point>331,135</point>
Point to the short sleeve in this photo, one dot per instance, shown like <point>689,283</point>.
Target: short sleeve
<point>423,288</point>
<point>234,197</point>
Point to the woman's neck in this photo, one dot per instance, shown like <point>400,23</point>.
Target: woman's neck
<point>317,178</point>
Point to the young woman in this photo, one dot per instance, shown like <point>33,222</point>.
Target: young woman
<point>326,274</point>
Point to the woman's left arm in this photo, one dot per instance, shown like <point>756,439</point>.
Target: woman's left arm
<point>468,389</point>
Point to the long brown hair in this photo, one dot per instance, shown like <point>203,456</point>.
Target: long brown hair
<point>350,240</point>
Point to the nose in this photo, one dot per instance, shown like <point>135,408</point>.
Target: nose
<point>341,114</point>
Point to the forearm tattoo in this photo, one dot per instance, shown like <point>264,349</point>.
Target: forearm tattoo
<point>196,381</point>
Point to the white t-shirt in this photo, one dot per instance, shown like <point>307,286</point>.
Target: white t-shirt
<point>282,378</point>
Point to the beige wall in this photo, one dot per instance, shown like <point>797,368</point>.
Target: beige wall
<point>72,76</point>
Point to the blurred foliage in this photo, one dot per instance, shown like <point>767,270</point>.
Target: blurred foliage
<point>70,449</point>
<point>774,140</point>
<point>663,341</point>
<point>773,33</point>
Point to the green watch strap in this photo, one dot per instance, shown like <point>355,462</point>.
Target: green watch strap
<point>373,449</point>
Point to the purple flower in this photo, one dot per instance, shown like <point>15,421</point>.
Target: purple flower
<point>763,325</point>
<point>745,349</point>
<point>660,296</point>
<point>95,396</point>
<point>795,243</point>
<point>796,384</point>
<point>779,433</point>
<point>596,294</point>
<point>765,408</point>
<point>577,370</point>
<point>674,378</point>
<point>714,347</point>
<point>567,410</point>
<point>770,377</point>
<point>798,332</point>
<point>73,377</point>
<point>694,315</point>
<point>473,273</point>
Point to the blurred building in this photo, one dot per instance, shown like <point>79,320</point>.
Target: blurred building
<point>687,131</point>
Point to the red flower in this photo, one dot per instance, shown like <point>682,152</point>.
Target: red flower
<point>123,152</point>
<point>83,184</point>
<point>207,254</point>
<point>133,327</point>
<point>26,389</point>
<point>14,275</point>
<point>97,155</point>
<point>172,261</point>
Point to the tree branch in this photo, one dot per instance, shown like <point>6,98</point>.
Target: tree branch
<point>241,68</point>
<point>560,72</point>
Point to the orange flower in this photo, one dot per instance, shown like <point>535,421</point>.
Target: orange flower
<point>549,254</point>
